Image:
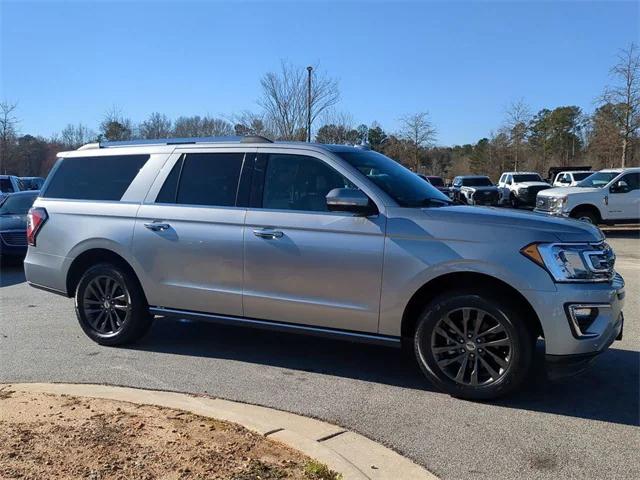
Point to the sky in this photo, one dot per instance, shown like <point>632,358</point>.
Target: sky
<point>463,62</point>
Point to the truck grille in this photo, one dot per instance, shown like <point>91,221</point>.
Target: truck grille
<point>15,239</point>
<point>485,198</point>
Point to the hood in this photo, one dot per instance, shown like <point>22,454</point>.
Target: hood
<point>533,184</point>
<point>502,223</point>
<point>491,188</point>
<point>13,222</point>
<point>556,192</point>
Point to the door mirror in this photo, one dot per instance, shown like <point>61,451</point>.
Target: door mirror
<point>619,187</point>
<point>349,200</point>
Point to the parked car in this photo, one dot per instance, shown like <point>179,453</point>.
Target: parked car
<point>520,188</point>
<point>552,173</point>
<point>475,190</point>
<point>437,182</point>
<point>296,237</point>
<point>13,223</point>
<point>570,179</point>
<point>607,196</point>
<point>9,184</point>
<point>32,183</point>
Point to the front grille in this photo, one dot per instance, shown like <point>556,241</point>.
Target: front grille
<point>485,198</point>
<point>15,239</point>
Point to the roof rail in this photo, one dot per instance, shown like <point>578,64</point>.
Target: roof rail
<point>182,141</point>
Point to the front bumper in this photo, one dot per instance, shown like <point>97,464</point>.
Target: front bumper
<point>563,347</point>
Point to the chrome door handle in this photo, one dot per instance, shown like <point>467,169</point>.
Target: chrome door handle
<point>157,226</point>
<point>267,233</point>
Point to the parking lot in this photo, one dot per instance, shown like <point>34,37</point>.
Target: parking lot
<point>582,427</point>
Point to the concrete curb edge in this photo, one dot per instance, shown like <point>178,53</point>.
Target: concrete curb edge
<point>354,456</point>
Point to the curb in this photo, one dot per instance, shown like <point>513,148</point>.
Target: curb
<point>353,455</point>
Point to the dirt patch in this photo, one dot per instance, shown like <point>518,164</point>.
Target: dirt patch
<point>58,436</point>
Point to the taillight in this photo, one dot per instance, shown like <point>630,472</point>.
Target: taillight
<point>35,219</point>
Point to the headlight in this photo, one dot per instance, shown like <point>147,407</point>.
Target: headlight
<point>556,204</point>
<point>523,190</point>
<point>573,262</point>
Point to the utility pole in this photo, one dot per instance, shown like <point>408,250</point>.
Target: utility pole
<point>309,70</point>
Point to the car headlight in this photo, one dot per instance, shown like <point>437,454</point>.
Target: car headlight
<point>523,190</point>
<point>556,204</point>
<point>584,262</point>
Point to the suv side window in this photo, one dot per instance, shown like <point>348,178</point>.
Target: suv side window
<point>299,182</point>
<point>633,180</point>
<point>93,178</point>
<point>209,179</point>
<point>502,178</point>
<point>509,180</point>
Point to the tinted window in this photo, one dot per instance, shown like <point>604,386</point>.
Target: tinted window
<point>436,181</point>
<point>528,177</point>
<point>633,180</point>
<point>477,182</point>
<point>6,185</point>
<point>399,183</point>
<point>17,204</point>
<point>298,182</point>
<point>581,175</point>
<point>94,178</point>
<point>169,189</point>
<point>210,179</point>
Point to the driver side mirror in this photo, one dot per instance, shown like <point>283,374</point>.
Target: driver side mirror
<point>619,187</point>
<point>350,200</point>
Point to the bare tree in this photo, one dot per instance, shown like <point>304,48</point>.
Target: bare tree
<point>284,99</point>
<point>418,130</point>
<point>115,126</point>
<point>626,95</point>
<point>8,124</point>
<point>197,126</point>
<point>74,136</point>
<point>251,123</point>
<point>157,125</point>
<point>518,117</point>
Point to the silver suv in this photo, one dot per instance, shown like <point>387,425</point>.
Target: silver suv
<point>320,239</point>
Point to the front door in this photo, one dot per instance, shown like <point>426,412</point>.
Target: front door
<point>304,264</point>
<point>188,237</point>
<point>625,204</point>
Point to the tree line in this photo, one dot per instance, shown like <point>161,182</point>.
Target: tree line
<point>560,136</point>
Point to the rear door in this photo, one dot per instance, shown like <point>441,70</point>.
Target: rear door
<point>304,264</point>
<point>188,233</point>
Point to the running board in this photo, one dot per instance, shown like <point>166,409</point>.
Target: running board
<point>370,338</point>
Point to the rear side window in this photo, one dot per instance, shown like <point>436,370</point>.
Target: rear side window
<point>6,185</point>
<point>94,178</point>
<point>209,179</point>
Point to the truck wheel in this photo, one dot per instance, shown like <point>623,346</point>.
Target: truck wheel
<point>585,216</point>
<point>473,346</point>
<point>513,201</point>
<point>111,306</point>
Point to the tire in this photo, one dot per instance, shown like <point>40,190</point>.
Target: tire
<point>111,306</point>
<point>513,201</point>
<point>509,330</point>
<point>585,216</point>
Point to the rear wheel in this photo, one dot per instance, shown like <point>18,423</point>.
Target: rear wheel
<point>473,346</point>
<point>111,306</point>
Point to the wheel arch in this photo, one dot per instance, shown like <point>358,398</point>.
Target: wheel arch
<point>590,207</point>
<point>464,280</point>
<point>94,256</point>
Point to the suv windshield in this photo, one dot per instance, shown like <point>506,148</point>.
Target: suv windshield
<point>401,184</point>
<point>527,177</point>
<point>17,204</point>
<point>598,179</point>
<point>477,182</point>
<point>581,175</point>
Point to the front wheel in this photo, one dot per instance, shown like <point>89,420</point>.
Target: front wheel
<point>473,346</point>
<point>513,201</point>
<point>111,306</point>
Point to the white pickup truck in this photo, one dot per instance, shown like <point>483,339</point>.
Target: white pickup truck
<point>520,188</point>
<point>609,196</point>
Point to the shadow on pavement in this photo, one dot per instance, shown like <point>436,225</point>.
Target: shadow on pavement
<point>11,273</point>
<point>609,391</point>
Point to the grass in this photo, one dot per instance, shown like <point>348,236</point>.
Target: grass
<point>319,471</point>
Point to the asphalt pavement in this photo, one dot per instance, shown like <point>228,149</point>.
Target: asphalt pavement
<point>583,427</point>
